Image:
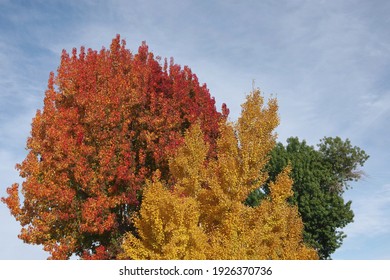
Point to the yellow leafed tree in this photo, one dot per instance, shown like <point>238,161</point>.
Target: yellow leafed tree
<point>203,215</point>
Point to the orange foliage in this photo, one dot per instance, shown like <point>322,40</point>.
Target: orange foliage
<point>110,119</point>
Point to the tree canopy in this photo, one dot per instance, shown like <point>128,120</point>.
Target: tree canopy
<point>320,177</point>
<point>109,120</point>
<point>130,159</point>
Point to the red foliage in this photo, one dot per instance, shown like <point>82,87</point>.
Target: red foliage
<point>110,119</point>
<point>100,254</point>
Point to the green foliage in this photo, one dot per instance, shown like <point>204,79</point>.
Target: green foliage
<point>343,160</point>
<point>320,177</point>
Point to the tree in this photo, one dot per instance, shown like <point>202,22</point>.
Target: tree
<point>320,177</point>
<point>202,214</point>
<point>110,119</point>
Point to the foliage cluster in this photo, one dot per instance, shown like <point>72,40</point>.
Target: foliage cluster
<point>203,215</point>
<point>320,178</point>
<point>110,119</point>
<point>130,159</point>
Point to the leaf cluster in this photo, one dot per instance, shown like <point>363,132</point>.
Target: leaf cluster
<point>110,119</point>
<point>203,214</point>
<point>320,177</point>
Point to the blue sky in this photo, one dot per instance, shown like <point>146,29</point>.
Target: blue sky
<point>328,63</point>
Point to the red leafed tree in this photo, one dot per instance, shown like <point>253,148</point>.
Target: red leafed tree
<point>110,119</point>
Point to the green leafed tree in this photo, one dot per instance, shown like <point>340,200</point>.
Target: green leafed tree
<point>320,178</point>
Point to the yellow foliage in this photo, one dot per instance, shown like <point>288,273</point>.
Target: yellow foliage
<point>256,137</point>
<point>203,215</point>
<point>187,167</point>
<point>281,234</point>
<point>168,227</point>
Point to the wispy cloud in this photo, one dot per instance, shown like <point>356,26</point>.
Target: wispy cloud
<point>328,63</point>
